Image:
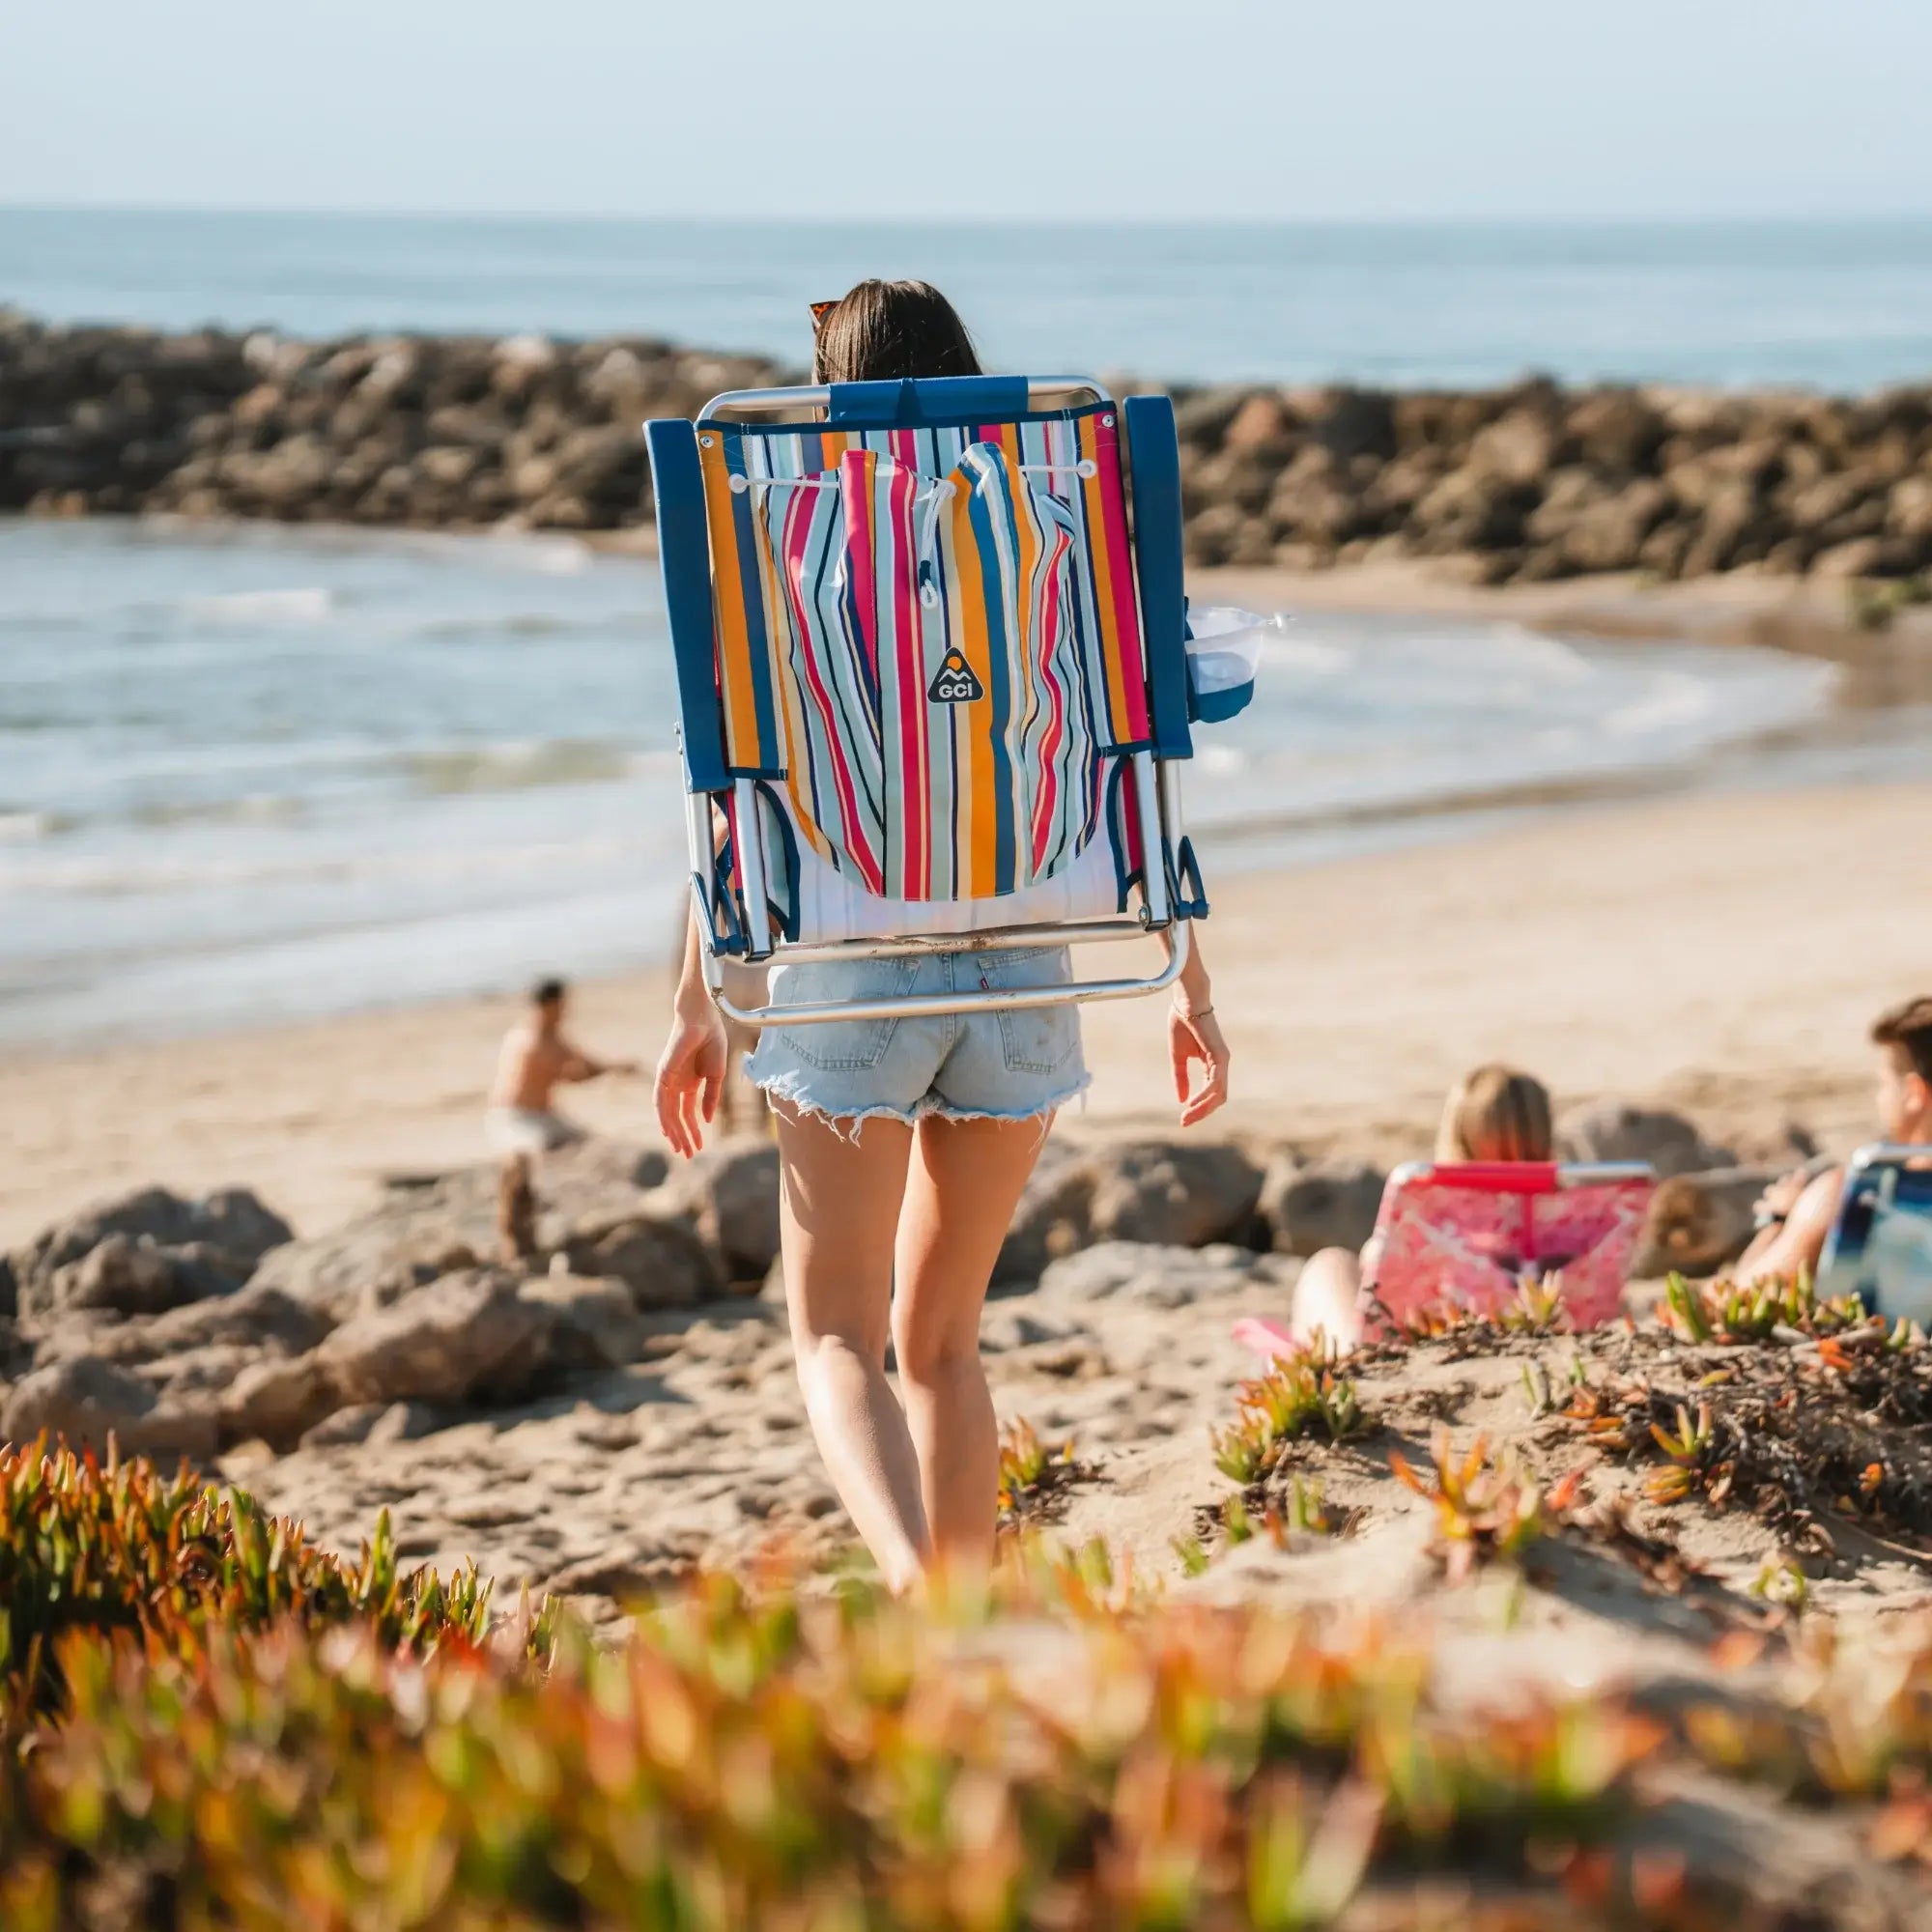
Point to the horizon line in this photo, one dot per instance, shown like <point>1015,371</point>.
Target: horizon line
<point>1676,220</point>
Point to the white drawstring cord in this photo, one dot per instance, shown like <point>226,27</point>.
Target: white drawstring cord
<point>740,483</point>
<point>940,491</point>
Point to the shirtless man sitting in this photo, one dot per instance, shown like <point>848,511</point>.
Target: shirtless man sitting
<point>1801,1208</point>
<point>521,1123</point>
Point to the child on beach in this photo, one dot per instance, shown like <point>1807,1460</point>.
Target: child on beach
<point>521,1123</point>
<point>905,1145</point>
<point>1798,1211</point>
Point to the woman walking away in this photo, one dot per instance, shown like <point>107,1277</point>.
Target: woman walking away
<point>904,1146</point>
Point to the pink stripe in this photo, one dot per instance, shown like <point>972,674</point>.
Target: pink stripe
<point>907,633</point>
<point>1046,802</point>
<point>1119,572</point>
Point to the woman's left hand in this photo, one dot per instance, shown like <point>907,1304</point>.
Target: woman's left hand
<point>1191,1038</point>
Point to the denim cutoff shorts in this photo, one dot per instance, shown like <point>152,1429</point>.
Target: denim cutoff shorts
<point>1015,1065</point>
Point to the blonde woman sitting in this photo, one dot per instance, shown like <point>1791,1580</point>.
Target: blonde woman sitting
<point>1494,1113</point>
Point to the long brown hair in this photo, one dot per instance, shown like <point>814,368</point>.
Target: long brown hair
<point>1495,1112</point>
<point>886,331</point>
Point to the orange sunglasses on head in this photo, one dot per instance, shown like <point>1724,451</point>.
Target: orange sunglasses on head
<point>820,310</point>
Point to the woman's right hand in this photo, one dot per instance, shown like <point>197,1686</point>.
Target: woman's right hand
<point>691,1075</point>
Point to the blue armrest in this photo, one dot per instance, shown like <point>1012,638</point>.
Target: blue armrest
<point>927,400</point>
<point>1153,482</point>
<point>684,555</point>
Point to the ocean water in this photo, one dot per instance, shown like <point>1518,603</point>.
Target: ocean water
<point>250,773</point>
<point>1830,305</point>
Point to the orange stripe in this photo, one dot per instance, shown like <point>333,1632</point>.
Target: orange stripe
<point>975,807</point>
<point>1026,696</point>
<point>733,645</point>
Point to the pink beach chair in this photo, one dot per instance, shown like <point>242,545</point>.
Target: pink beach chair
<point>1467,1234</point>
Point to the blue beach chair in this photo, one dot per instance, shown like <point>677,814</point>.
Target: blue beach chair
<point>933,679</point>
<point>1880,1247</point>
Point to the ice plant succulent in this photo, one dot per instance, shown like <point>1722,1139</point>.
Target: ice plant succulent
<point>1032,1475</point>
<point>1296,1396</point>
<point>766,1758</point>
<point>1725,1311</point>
<point>129,1549</point>
<point>1536,1308</point>
<point>1484,1510</point>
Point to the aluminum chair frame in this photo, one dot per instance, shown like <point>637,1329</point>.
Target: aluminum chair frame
<point>1568,1174</point>
<point>1154,777</point>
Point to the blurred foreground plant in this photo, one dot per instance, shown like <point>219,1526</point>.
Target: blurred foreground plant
<point>771,1758</point>
<point>161,1558</point>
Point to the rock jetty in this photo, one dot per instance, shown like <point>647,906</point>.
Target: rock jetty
<point>1531,482</point>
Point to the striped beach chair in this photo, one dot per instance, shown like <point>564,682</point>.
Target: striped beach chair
<point>933,685</point>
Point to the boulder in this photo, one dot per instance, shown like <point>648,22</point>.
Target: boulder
<point>1474,510</point>
<point>1155,1275</point>
<point>86,1401</point>
<point>163,1250</point>
<point>729,1197</point>
<point>661,1262</point>
<point>1611,1129</point>
<point>434,1225</point>
<point>1519,447</point>
<point>278,1401</point>
<point>258,1316</point>
<point>1200,416</point>
<point>374,1423</point>
<point>1259,426</point>
<point>1617,432</point>
<point>16,1352</point>
<point>127,1276</point>
<point>1357,422</point>
<point>1054,1216</point>
<point>196,1378</point>
<point>597,1322</point>
<point>1698,1222</point>
<point>465,1337</point>
<point>1309,1206</point>
<point>1185,1194</point>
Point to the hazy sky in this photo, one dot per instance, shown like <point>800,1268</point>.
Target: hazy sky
<point>1187,108</point>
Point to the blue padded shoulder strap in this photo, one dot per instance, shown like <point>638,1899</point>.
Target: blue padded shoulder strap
<point>684,555</point>
<point>933,400</point>
<point>1154,466</point>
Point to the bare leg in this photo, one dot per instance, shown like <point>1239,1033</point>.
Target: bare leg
<point>515,1211</point>
<point>965,1182</point>
<point>1328,1296</point>
<point>839,1211</point>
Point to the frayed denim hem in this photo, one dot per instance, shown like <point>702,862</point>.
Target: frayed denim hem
<point>945,1111</point>
<point>786,1089</point>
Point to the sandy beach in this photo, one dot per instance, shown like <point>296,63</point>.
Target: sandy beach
<point>1723,953</point>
